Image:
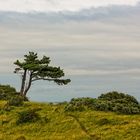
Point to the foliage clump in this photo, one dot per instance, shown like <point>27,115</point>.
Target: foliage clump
<point>80,104</point>
<point>16,101</point>
<point>118,102</point>
<point>118,97</point>
<point>29,115</point>
<point>7,92</point>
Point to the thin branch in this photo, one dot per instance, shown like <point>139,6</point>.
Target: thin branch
<point>43,79</point>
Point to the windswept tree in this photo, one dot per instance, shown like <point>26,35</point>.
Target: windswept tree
<point>33,69</point>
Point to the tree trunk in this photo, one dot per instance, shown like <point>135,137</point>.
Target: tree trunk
<point>29,85</point>
<point>23,83</point>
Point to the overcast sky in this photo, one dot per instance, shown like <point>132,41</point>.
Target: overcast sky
<point>97,40</point>
<point>57,5</point>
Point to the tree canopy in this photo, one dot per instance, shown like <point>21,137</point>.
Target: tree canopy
<point>33,69</point>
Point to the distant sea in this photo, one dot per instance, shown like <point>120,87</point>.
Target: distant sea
<point>80,86</point>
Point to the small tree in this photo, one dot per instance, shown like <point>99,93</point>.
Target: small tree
<point>33,69</point>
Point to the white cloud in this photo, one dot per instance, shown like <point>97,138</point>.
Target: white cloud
<point>57,5</point>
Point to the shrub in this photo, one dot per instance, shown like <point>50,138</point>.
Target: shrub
<point>16,101</point>
<point>29,115</point>
<point>75,107</point>
<point>126,109</point>
<point>79,104</point>
<point>110,96</point>
<point>102,105</point>
<point>6,92</point>
<point>118,102</point>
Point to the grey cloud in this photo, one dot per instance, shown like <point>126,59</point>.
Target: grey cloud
<point>95,14</point>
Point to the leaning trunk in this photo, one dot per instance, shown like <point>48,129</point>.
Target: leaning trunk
<point>23,83</point>
<point>28,86</point>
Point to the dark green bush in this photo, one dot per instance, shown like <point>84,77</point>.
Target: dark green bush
<point>79,104</point>
<point>110,96</point>
<point>7,88</point>
<point>102,105</point>
<point>74,107</point>
<point>29,115</point>
<point>118,102</point>
<point>6,92</point>
<point>9,93</point>
<point>117,107</point>
<point>126,109</point>
<point>16,101</point>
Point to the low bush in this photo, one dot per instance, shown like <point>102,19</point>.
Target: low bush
<point>102,105</point>
<point>116,96</point>
<point>12,97</point>
<point>16,101</point>
<point>126,109</point>
<point>6,92</point>
<point>118,102</point>
<point>74,107</point>
<point>29,115</point>
<point>80,104</point>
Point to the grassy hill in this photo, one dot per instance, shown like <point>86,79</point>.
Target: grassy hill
<point>56,124</point>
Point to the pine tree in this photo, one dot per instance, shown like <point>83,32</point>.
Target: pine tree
<point>33,69</point>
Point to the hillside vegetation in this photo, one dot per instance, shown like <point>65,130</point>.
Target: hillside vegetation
<point>56,124</point>
<point>105,118</point>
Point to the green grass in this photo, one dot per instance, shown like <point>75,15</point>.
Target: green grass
<point>55,124</point>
